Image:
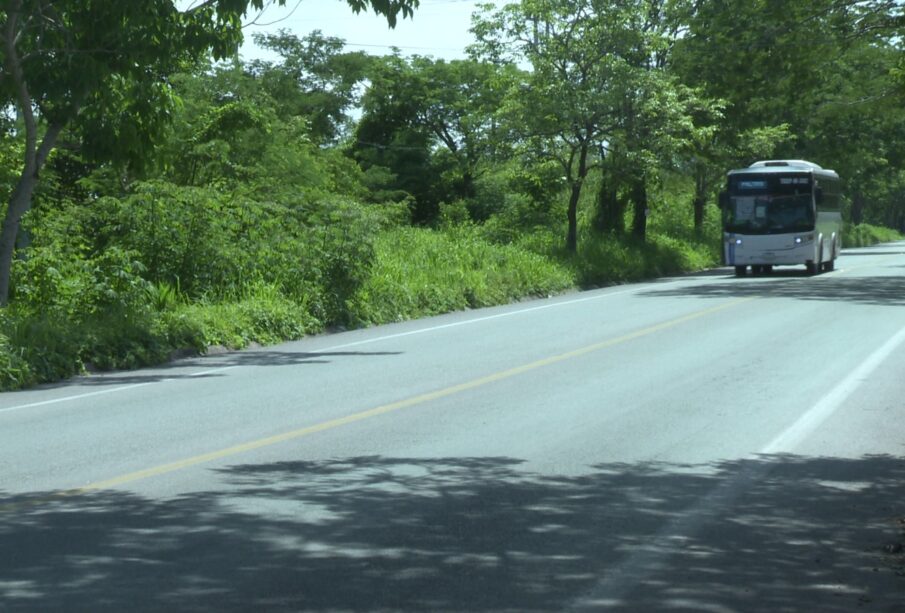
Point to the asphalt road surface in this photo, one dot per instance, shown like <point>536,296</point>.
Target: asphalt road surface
<point>702,443</point>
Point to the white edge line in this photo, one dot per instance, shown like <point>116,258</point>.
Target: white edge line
<point>642,563</point>
<point>826,406</point>
<point>86,395</point>
<point>123,388</point>
<point>478,320</point>
<point>333,348</point>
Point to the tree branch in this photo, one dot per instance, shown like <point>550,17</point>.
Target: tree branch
<point>14,66</point>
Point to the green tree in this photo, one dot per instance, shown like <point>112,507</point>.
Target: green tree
<point>450,104</point>
<point>597,88</point>
<point>227,133</point>
<point>564,108</point>
<point>800,79</point>
<point>857,127</point>
<point>316,79</point>
<point>716,147</point>
<point>104,65</point>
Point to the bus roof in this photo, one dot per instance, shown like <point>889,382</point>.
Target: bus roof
<point>785,166</point>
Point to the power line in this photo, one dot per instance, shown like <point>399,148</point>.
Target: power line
<point>254,22</point>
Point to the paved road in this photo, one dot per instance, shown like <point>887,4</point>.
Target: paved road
<point>702,443</point>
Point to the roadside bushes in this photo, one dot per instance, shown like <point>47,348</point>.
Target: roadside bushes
<point>621,258</point>
<point>70,309</point>
<point>127,281</point>
<point>38,347</point>
<point>864,235</point>
<point>262,315</point>
<point>420,272</point>
<point>192,236</point>
<point>213,244</point>
<point>15,371</point>
<point>103,314</point>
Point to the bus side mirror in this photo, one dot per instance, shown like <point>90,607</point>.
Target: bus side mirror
<point>723,200</point>
<point>818,195</point>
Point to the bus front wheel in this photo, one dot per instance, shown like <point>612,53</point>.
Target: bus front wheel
<point>831,264</point>
<point>816,266</point>
<point>741,271</point>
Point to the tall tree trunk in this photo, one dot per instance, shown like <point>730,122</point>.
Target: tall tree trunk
<point>18,205</point>
<point>610,215</point>
<point>572,233</point>
<point>35,155</point>
<point>639,199</point>
<point>700,200</point>
<point>20,201</point>
<point>468,187</point>
<point>857,208</point>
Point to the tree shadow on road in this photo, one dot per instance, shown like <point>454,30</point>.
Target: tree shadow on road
<point>879,291</point>
<point>185,369</point>
<point>779,533</point>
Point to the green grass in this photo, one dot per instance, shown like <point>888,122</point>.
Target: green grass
<point>864,235</point>
<point>420,272</point>
<point>41,348</point>
<point>608,260</point>
<point>262,316</point>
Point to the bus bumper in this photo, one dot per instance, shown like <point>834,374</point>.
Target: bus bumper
<point>771,250</point>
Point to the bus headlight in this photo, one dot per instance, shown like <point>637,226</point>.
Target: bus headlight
<point>804,240</point>
<point>738,241</point>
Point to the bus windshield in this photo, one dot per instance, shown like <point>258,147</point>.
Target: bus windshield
<point>774,205</point>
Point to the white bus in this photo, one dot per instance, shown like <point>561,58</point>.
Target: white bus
<point>781,212</point>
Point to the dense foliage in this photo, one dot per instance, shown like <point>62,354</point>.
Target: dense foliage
<point>183,203</point>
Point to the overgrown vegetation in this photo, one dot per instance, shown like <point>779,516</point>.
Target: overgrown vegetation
<point>864,235</point>
<point>420,272</point>
<point>241,202</point>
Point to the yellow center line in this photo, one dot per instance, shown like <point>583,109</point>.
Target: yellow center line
<point>363,415</point>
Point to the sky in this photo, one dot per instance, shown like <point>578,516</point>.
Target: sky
<point>439,28</point>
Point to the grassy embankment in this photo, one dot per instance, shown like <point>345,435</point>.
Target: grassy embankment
<point>864,235</point>
<point>415,273</point>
